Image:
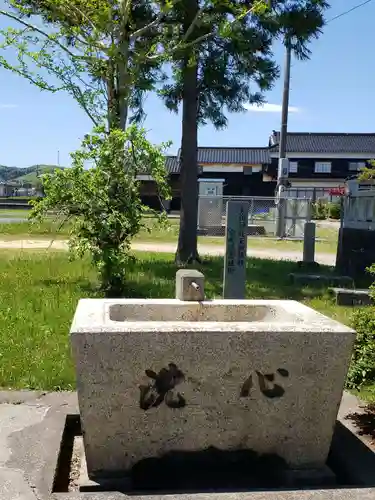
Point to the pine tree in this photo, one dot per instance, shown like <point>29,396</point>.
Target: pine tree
<point>219,73</point>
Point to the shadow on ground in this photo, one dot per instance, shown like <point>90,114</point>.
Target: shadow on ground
<point>265,279</point>
<point>155,278</point>
<point>365,421</point>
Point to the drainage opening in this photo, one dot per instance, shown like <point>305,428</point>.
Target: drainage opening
<point>68,464</point>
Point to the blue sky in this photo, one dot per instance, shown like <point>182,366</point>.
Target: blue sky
<point>332,92</point>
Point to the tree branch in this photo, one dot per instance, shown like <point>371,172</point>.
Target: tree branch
<point>125,8</point>
<point>87,19</point>
<point>192,25</point>
<point>81,101</point>
<point>43,33</point>
<point>201,38</point>
<point>143,30</point>
<point>19,71</point>
<point>179,46</point>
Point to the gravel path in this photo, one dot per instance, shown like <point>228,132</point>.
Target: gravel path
<point>215,250</point>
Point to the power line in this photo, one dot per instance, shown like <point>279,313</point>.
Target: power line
<point>349,11</point>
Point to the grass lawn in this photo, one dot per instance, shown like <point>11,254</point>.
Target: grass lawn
<point>14,212</point>
<point>169,234</point>
<point>39,292</point>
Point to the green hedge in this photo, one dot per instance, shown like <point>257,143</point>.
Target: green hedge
<point>322,209</point>
<point>362,368</point>
<point>334,210</point>
<point>319,210</point>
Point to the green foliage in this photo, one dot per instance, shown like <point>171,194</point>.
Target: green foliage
<point>334,210</point>
<point>362,368</point>
<point>103,203</point>
<point>320,210</point>
<point>230,66</point>
<point>236,62</point>
<point>371,270</point>
<point>106,55</point>
<point>368,173</point>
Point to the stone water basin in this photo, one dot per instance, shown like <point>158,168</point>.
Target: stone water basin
<point>157,376</point>
<point>218,311</point>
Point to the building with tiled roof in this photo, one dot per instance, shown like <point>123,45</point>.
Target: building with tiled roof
<point>322,160</point>
<point>326,143</point>
<point>318,162</point>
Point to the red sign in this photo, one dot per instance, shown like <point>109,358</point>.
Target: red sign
<point>337,191</point>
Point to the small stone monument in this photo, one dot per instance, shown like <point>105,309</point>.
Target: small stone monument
<point>309,243</point>
<point>309,247</point>
<point>235,250</point>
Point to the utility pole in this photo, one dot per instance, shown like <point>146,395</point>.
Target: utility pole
<point>285,103</point>
<point>283,167</point>
<point>58,158</point>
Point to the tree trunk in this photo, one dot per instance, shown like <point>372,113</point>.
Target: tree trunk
<point>123,83</point>
<point>187,251</point>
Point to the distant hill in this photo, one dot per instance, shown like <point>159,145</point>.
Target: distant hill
<point>27,174</point>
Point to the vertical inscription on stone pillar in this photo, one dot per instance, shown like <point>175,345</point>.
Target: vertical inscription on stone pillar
<point>235,250</point>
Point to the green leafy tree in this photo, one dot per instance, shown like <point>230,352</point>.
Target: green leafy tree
<point>230,65</point>
<point>368,173</point>
<point>102,53</point>
<point>103,202</point>
<point>106,55</point>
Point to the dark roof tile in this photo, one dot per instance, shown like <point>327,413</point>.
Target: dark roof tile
<point>172,164</point>
<point>305,142</point>
<point>216,155</point>
<point>243,156</point>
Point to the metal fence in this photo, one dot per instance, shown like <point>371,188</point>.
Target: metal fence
<point>316,193</point>
<point>262,218</point>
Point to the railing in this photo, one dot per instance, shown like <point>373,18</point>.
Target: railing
<point>262,215</point>
<point>316,193</point>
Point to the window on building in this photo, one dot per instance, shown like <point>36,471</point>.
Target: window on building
<point>355,166</point>
<point>323,167</point>
<point>293,167</point>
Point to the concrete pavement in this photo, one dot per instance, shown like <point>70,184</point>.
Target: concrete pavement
<point>31,432</point>
<point>327,259</point>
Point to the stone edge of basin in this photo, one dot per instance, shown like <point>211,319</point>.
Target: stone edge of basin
<point>30,470</point>
<point>92,316</point>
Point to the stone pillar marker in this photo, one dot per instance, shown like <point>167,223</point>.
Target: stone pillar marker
<point>309,243</point>
<point>235,250</point>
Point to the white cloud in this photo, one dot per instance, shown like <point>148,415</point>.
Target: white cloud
<point>270,108</point>
<point>8,106</point>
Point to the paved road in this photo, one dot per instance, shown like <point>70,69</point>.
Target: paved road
<point>214,250</point>
<point>11,220</point>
